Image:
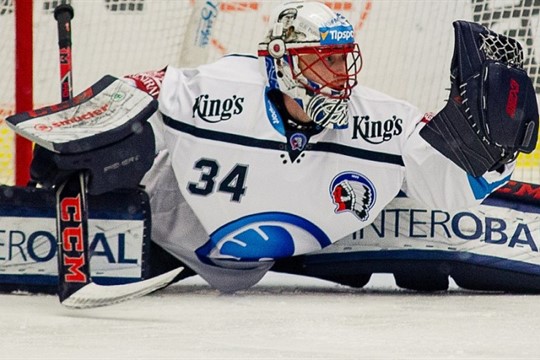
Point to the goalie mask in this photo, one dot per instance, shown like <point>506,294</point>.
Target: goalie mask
<point>310,55</point>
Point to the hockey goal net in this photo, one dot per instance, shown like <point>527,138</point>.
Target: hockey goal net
<point>406,46</point>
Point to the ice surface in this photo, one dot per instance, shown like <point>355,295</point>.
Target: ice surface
<point>284,317</point>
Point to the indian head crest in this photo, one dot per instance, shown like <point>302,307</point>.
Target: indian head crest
<point>353,192</point>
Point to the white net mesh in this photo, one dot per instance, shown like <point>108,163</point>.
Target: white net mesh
<point>500,48</point>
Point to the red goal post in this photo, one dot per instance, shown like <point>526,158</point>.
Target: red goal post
<point>406,47</point>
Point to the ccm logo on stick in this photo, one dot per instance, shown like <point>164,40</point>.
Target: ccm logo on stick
<point>72,238</point>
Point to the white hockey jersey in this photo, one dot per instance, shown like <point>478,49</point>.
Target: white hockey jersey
<point>233,188</point>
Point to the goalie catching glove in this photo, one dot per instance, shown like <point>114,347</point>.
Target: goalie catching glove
<point>492,113</point>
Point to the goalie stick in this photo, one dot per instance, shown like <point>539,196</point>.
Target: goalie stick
<point>75,286</point>
<point>71,197</point>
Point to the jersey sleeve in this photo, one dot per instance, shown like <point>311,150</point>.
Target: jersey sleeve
<point>436,181</point>
<point>168,86</point>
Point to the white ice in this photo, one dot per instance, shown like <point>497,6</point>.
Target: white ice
<point>284,317</point>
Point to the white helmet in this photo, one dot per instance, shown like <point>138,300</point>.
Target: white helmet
<point>310,30</point>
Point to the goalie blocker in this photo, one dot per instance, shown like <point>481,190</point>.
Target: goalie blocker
<point>492,113</point>
<point>103,131</point>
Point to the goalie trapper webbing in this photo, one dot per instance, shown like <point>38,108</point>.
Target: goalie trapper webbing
<point>492,113</point>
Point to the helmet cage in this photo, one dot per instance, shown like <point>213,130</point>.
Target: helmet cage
<point>323,99</point>
<point>341,84</point>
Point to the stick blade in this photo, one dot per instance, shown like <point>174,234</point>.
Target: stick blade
<point>93,295</point>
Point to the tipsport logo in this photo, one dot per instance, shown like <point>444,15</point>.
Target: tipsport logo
<point>337,35</point>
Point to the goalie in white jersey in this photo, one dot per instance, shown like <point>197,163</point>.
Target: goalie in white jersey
<point>255,166</point>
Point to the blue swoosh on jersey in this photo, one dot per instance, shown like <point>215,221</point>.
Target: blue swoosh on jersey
<point>260,237</point>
